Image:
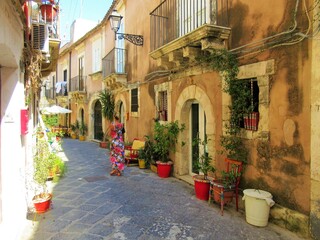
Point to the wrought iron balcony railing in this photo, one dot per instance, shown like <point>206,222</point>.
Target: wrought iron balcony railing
<point>175,18</point>
<point>78,83</point>
<point>114,62</point>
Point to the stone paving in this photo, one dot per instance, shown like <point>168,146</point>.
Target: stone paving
<point>88,204</point>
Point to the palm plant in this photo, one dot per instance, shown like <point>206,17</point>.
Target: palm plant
<point>106,99</point>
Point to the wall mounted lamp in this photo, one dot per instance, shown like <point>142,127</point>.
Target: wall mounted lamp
<point>115,20</point>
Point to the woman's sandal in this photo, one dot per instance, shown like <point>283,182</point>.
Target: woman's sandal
<point>113,172</point>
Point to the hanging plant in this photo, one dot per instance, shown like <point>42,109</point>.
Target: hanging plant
<point>107,104</point>
<point>226,64</point>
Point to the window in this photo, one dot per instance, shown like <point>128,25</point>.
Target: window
<point>96,58</point>
<point>250,120</point>
<point>163,101</point>
<point>65,75</point>
<point>163,106</point>
<point>134,100</point>
<point>81,71</point>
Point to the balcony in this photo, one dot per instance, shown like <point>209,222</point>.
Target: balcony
<point>114,72</point>
<point>43,18</point>
<point>77,89</point>
<point>182,29</point>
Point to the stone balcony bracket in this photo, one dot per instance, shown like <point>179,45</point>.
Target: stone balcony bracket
<point>186,48</point>
<point>78,97</point>
<point>115,81</point>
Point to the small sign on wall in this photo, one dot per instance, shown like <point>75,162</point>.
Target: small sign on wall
<point>24,119</point>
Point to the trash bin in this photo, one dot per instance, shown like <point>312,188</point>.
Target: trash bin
<point>257,206</point>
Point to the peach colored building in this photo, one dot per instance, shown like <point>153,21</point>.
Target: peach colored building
<point>277,46</point>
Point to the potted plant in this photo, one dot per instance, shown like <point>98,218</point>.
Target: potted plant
<point>75,130</point>
<point>105,138</point>
<point>202,164</point>
<point>42,164</point>
<point>107,104</point>
<point>82,131</point>
<point>142,158</point>
<point>58,167</point>
<point>166,137</point>
<point>49,10</point>
<point>225,186</point>
<point>107,109</point>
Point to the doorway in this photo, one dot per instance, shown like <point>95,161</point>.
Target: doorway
<point>197,130</point>
<point>98,132</point>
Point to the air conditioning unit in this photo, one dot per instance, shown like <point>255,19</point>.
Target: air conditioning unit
<point>40,37</point>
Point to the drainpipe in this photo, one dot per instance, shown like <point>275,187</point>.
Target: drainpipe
<point>69,104</point>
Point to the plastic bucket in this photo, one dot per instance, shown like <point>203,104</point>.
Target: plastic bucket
<point>257,206</point>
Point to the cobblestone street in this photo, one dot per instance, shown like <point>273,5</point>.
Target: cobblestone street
<point>88,204</point>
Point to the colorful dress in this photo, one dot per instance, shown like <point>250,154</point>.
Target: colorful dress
<point>117,147</point>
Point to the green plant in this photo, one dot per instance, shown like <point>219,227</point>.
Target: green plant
<point>146,153</point>
<point>58,167</point>
<point>229,178</point>
<point>226,64</point>
<point>106,99</point>
<point>203,161</point>
<point>50,120</point>
<point>166,137</point>
<point>42,164</point>
<point>75,127</point>
<point>83,129</point>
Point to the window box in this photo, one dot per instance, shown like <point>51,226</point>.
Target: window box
<point>251,121</point>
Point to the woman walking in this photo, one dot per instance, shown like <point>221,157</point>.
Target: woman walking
<point>117,147</point>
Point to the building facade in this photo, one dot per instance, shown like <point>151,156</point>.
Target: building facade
<point>29,45</point>
<point>165,80</point>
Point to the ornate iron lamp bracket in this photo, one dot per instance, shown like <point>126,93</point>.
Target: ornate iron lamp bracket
<point>135,39</point>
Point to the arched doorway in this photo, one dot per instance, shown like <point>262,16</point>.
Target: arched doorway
<point>98,132</point>
<point>194,109</point>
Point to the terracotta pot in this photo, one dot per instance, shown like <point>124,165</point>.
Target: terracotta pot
<point>103,144</point>
<point>42,202</point>
<point>201,187</point>
<point>218,188</point>
<point>164,169</point>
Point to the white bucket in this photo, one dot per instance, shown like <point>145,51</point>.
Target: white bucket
<point>257,206</point>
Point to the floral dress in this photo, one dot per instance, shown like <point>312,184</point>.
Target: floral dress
<point>117,147</point>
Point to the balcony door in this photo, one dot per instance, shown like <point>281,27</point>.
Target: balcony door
<point>81,72</point>
<point>119,53</point>
<point>192,14</point>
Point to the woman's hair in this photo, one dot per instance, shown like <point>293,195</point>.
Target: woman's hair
<point>116,117</point>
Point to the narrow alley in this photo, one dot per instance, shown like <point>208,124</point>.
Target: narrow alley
<point>88,204</point>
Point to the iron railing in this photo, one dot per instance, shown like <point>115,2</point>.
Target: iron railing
<point>114,62</point>
<point>175,18</point>
<point>78,83</point>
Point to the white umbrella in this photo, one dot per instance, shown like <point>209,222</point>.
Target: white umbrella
<point>55,110</point>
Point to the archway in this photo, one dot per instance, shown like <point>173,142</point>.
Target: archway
<point>97,125</point>
<point>195,110</point>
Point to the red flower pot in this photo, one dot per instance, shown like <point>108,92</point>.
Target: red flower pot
<point>103,144</point>
<point>201,187</point>
<point>48,12</point>
<point>42,202</point>
<point>164,169</point>
<point>222,193</point>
